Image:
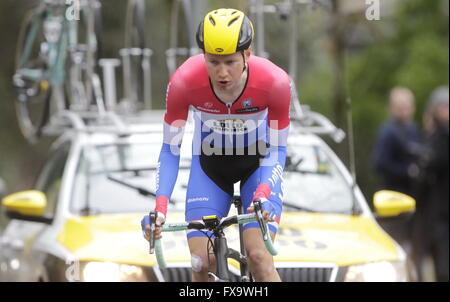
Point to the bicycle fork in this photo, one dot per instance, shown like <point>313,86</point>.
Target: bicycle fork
<point>223,253</point>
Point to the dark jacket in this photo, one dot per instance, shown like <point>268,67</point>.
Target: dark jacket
<point>396,149</point>
<point>436,172</point>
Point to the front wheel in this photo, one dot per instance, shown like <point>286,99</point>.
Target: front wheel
<point>33,90</point>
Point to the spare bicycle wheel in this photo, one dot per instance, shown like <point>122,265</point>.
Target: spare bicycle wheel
<point>135,43</point>
<point>82,59</point>
<point>33,89</point>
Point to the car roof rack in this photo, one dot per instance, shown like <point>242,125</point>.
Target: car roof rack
<point>143,122</point>
<point>303,121</point>
<point>310,122</point>
<point>306,121</point>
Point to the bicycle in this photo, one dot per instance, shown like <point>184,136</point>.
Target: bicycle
<point>220,248</point>
<point>51,42</point>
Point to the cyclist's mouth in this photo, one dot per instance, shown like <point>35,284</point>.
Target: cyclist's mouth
<point>224,83</point>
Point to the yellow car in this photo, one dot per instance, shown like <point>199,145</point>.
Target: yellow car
<point>81,221</point>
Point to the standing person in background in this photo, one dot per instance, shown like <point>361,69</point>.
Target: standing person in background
<point>432,224</point>
<point>396,150</point>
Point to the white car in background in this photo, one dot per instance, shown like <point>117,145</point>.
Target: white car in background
<point>81,221</point>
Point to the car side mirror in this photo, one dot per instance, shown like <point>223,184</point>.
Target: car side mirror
<point>26,205</point>
<point>391,204</point>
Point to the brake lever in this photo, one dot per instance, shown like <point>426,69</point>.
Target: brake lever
<point>152,216</point>
<point>260,219</point>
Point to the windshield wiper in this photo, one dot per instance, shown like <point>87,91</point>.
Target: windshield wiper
<point>297,207</point>
<point>140,190</point>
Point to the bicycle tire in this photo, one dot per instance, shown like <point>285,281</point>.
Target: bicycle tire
<point>135,24</point>
<point>32,102</point>
<point>135,39</point>
<point>76,89</point>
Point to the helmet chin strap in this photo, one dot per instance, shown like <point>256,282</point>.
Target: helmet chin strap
<point>245,63</point>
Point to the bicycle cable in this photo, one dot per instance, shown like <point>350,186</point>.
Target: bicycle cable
<point>209,245</point>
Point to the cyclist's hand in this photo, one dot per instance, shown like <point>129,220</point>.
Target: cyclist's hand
<point>269,211</point>
<point>145,224</point>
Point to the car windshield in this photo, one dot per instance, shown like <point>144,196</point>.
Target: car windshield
<point>95,190</point>
<point>312,181</point>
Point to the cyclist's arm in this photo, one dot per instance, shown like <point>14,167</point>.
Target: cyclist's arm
<point>168,163</point>
<point>272,165</point>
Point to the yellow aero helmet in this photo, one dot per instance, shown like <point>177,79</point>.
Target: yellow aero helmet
<point>225,31</point>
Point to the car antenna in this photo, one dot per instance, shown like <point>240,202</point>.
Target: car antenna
<point>351,143</point>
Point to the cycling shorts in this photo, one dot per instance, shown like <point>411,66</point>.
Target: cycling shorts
<point>211,187</point>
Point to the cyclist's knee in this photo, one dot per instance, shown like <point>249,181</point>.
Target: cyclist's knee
<point>261,262</point>
<point>198,264</point>
<point>257,256</point>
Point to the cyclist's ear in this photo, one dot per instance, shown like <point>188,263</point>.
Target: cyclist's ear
<point>247,53</point>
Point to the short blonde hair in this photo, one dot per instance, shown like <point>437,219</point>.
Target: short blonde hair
<point>401,92</point>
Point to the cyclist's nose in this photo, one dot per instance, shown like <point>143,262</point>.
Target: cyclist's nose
<point>222,71</point>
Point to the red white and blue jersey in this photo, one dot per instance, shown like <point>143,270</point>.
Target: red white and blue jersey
<point>259,114</point>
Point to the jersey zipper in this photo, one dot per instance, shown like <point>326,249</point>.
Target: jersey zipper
<point>229,108</point>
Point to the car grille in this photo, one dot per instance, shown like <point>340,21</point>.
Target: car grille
<point>287,274</point>
<point>305,274</point>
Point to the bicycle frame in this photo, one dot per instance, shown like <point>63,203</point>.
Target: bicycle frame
<point>221,250</point>
<point>222,253</point>
<point>56,47</point>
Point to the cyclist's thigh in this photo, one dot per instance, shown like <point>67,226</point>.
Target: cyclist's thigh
<point>276,197</point>
<point>204,197</point>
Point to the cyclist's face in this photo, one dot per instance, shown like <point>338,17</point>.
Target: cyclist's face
<point>226,71</point>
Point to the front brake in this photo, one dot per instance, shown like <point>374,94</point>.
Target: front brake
<point>152,216</point>
<point>260,219</point>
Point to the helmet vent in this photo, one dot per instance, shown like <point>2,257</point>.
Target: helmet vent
<point>233,20</point>
<point>211,19</point>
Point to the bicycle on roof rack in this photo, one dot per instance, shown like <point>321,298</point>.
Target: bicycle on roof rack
<point>58,66</point>
<point>136,59</point>
<point>53,74</point>
<point>219,246</point>
<point>56,57</point>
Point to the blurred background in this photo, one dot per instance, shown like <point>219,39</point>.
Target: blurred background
<point>342,54</point>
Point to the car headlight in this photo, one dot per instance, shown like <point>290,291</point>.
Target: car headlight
<point>111,272</point>
<point>377,272</point>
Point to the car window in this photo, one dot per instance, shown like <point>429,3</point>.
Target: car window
<point>135,164</point>
<point>312,181</point>
<point>50,177</point>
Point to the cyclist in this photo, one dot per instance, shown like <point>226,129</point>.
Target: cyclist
<point>240,105</point>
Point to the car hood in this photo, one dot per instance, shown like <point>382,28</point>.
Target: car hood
<point>306,237</point>
<point>340,239</point>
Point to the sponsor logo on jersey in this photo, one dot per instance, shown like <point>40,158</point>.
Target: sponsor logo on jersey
<point>247,103</point>
<point>208,109</point>
<point>247,110</point>
<point>229,126</point>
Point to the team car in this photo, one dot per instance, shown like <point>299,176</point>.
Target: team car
<point>81,220</point>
